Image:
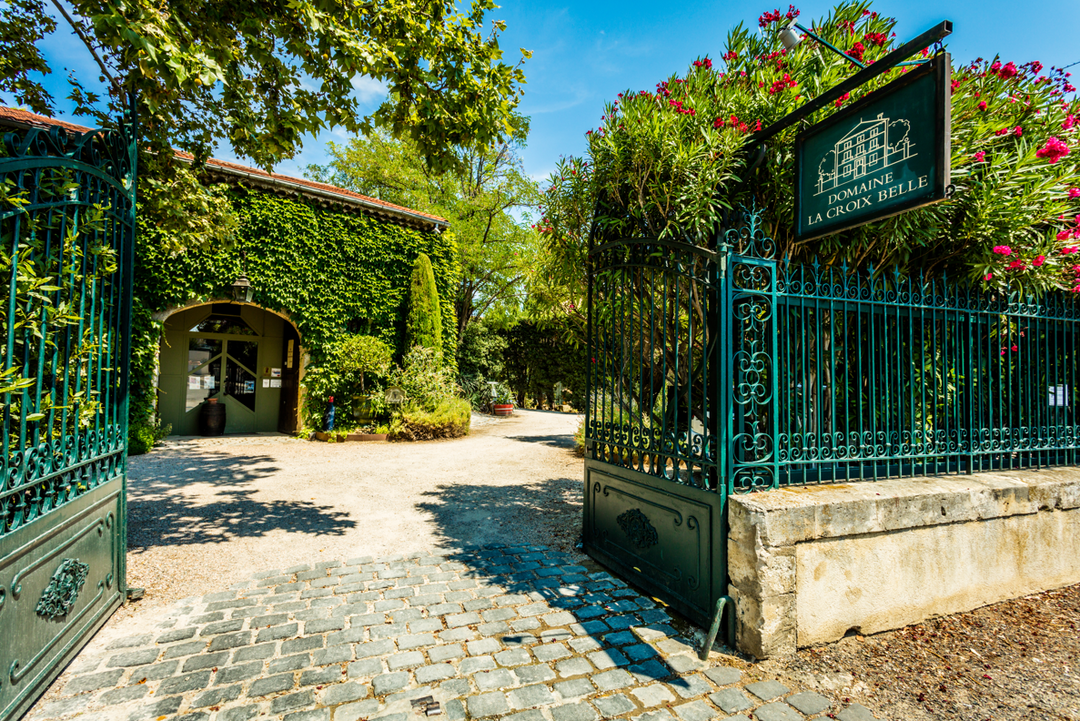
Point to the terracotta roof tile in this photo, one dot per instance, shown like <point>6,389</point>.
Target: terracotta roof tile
<point>24,117</point>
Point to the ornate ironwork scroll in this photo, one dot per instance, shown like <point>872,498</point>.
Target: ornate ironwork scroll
<point>637,528</point>
<point>750,373</point>
<point>60,595</point>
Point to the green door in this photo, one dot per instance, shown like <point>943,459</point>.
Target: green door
<point>228,352</point>
<point>223,369</point>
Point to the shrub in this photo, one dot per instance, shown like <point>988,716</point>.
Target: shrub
<point>144,435</point>
<point>423,325</point>
<point>362,355</point>
<point>351,370</point>
<point>579,438</point>
<point>670,162</point>
<point>449,418</point>
<point>481,393</point>
<point>423,378</point>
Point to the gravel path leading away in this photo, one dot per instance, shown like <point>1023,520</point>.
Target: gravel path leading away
<point>205,513</point>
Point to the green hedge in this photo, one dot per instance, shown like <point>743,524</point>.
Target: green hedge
<point>327,270</point>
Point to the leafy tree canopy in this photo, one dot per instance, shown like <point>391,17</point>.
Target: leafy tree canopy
<point>479,199</point>
<point>261,74</point>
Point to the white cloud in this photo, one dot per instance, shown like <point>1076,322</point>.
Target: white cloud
<point>368,88</point>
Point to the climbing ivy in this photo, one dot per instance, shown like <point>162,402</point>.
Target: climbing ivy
<point>328,270</point>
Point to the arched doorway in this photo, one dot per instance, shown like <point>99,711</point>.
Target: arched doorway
<point>243,356</point>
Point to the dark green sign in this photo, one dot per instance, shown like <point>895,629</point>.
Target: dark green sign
<point>884,155</point>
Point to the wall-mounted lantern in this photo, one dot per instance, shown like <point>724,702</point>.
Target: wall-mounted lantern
<point>241,289</point>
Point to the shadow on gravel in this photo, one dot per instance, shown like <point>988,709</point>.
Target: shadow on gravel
<point>561,440</point>
<point>474,515</point>
<point>160,514</point>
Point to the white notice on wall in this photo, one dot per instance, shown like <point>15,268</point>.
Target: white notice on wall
<point>1059,395</point>
<point>266,382</point>
<point>275,383</point>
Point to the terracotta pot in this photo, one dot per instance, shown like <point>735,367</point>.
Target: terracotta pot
<point>503,409</point>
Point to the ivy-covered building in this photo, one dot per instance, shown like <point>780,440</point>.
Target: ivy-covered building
<point>322,262</point>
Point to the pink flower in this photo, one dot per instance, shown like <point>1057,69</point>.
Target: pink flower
<point>988,276</point>
<point>980,156</point>
<point>1002,250</point>
<point>1064,235</point>
<point>1053,151</point>
<point>1017,265</point>
<point>982,105</point>
<point>1009,71</point>
<point>1018,131</point>
<point>1015,347</point>
<point>1074,193</point>
<point>1069,122</point>
<point>1039,260</point>
<point>1068,251</point>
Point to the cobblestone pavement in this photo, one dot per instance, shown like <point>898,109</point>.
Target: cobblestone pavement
<point>495,632</point>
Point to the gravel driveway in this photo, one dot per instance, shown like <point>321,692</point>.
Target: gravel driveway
<point>205,513</point>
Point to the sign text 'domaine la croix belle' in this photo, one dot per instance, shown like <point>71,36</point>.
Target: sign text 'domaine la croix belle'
<point>884,155</point>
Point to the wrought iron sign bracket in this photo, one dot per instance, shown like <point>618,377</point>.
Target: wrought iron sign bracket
<point>930,37</point>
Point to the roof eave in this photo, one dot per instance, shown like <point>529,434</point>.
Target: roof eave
<point>416,219</point>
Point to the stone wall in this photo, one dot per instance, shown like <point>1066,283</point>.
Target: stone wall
<point>808,565</point>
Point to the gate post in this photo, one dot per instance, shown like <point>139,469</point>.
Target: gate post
<point>750,426</point>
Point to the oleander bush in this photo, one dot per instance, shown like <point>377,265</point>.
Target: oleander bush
<point>671,160</point>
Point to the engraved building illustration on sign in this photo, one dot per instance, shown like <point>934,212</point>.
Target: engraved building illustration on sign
<point>870,146</point>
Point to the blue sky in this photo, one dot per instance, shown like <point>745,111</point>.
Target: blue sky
<point>586,53</point>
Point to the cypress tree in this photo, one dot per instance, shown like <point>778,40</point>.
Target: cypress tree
<point>423,325</point>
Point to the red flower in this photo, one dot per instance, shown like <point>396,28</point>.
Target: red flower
<point>857,51</point>
<point>982,105</point>
<point>878,39</point>
<point>1053,151</point>
<point>1007,72</point>
<point>1039,260</point>
<point>840,100</point>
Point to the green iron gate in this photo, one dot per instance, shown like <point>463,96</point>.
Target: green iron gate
<point>714,370</point>
<point>680,343</point>
<point>67,216</point>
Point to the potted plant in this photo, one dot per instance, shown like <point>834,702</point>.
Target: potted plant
<point>502,402</point>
